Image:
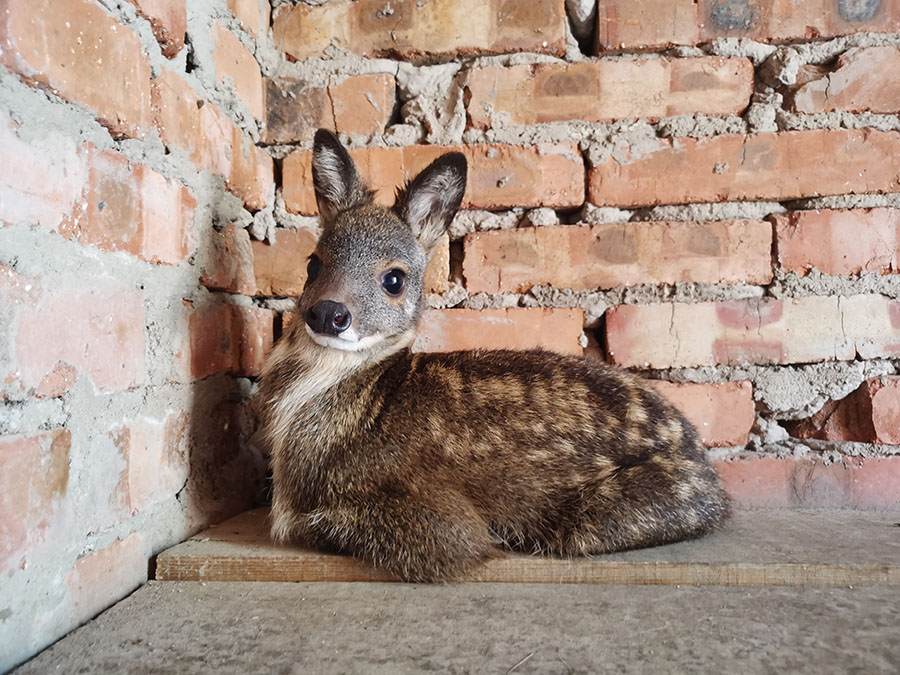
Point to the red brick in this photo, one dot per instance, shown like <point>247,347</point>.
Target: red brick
<point>79,52</point>
<point>761,166</point>
<point>848,242</point>
<point>229,339</point>
<point>280,269</point>
<point>99,579</point>
<point>155,453</point>
<point>871,414</point>
<point>603,91</point>
<point>233,60</point>
<point>806,482</point>
<point>133,209</point>
<point>231,262</point>
<point>98,331</point>
<point>41,180</point>
<point>34,478</point>
<point>248,13</point>
<point>606,256</point>
<point>767,331</point>
<point>168,18</point>
<point>863,80</point>
<point>407,28</point>
<point>449,330</point>
<point>500,176</point>
<point>252,172</point>
<point>651,24</point>
<point>722,413</point>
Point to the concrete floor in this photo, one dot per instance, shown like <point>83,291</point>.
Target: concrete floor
<point>243,627</point>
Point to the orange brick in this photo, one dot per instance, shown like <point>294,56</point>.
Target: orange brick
<point>407,28</point>
<point>500,176</point>
<point>280,269</point>
<point>449,330</point>
<point>761,166</point>
<point>863,80</point>
<point>101,578</point>
<point>768,331</point>
<point>78,51</point>
<point>871,414</point>
<point>229,339</point>
<point>34,479</point>
<point>231,264</point>
<point>98,331</point>
<point>253,15</point>
<point>232,60</point>
<point>41,180</point>
<point>252,176</point>
<point>645,24</point>
<point>133,209</point>
<point>603,91</point>
<point>839,242</point>
<point>168,18</point>
<point>363,104</point>
<point>722,413</point>
<point>605,256</point>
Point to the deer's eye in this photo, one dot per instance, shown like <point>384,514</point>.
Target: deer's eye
<point>393,281</point>
<point>313,267</point>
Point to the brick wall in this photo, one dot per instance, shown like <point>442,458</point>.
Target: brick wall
<point>130,165</point>
<point>706,192</point>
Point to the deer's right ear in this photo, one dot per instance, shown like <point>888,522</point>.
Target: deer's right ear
<point>337,183</point>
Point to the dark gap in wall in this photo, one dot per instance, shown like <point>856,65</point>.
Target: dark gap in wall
<point>190,55</point>
<point>456,261</point>
<point>598,333</point>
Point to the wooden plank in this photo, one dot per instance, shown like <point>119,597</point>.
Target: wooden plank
<point>757,548</point>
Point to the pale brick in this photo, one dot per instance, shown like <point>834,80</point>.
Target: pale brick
<point>167,218</point>
<point>363,104</point>
<point>409,29</point>
<point>230,267</point>
<point>168,18</point>
<point>500,176</point>
<point>280,268</point>
<point>863,80</point>
<point>99,579</point>
<point>235,62</point>
<point>437,274</point>
<point>41,180</point>
<point>870,414</point>
<point>603,91</point>
<point>758,167</point>
<point>253,15</point>
<point>155,453</point>
<point>98,331</point>
<point>723,413</point>
<point>34,479</point>
<point>652,24</point>
<point>847,242</point>
<point>605,256</point>
<point>768,331</point>
<point>448,330</point>
<point>79,52</point>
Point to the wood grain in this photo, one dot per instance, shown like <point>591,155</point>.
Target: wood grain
<point>757,548</point>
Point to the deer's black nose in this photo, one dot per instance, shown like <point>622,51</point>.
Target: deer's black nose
<point>328,318</point>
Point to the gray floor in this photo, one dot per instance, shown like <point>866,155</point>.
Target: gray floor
<point>240,627</point>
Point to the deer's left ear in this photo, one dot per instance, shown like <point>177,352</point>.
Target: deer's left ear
<point>429,203</point>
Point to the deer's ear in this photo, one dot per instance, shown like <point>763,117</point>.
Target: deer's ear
<point>429,203</point>
<point>337,183</point>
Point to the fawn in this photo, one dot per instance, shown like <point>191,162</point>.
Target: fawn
<point>423,464</point>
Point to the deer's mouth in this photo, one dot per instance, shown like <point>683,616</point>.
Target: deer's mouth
<point>347,341</point>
